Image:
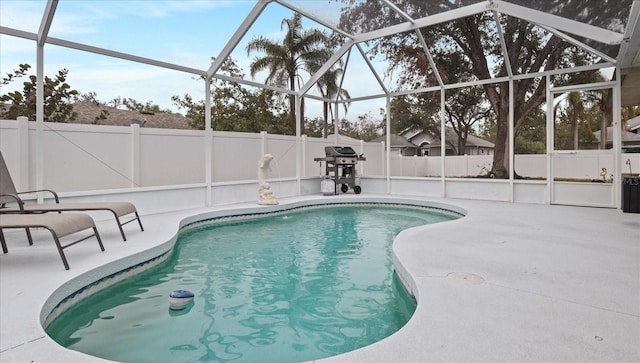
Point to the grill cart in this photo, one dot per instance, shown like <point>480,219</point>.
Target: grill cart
<point>340,162</point>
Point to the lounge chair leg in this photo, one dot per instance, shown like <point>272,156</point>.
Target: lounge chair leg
<point>124,238</point>
<point>120,224</point>
<point>29,236</point>
<point>95,233</point>
<point>3,242</point>
<point>60,251</point>
<point>139,221</point>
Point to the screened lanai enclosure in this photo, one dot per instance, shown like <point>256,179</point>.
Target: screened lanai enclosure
<point>549,86</point>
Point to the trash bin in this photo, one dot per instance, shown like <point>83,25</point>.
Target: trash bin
<point>631,194</point>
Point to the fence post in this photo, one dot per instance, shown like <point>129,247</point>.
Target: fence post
<point>23,154</point>
<point>466,165</point>
<point>135,155</point>
<point>383,158</point>
<point>304,155</point>
<point>361,153</point>
<point>263,144</point>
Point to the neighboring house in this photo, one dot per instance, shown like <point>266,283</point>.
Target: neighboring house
<point>633,125</point>
<point>430,144</point>
<point>88,112</point>
<point>630,137</point>
<point>400,145</point>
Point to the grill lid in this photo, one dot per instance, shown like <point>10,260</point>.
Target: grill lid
<point>339,151</point>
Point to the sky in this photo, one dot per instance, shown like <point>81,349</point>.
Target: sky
<point>187,33</point>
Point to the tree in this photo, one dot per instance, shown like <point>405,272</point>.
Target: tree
<point>328,85</point>
<point>575,110</point>
<point>236,108</point>
<point>532,136</point>
<point>530,49</point>
<point>135,105</point>
<point>417,112</point>
<point>463,109</point>
<point>364,128</point>
<point>57,97</point>
<point>299,51</point>
<point>88,97</point>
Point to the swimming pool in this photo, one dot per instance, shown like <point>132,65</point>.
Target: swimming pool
<point>298,285</point>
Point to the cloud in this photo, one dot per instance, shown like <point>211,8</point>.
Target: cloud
<point>20,14</point>
<point>144,85</point>
<point>128,26</point>
<point>15,45</point>
<point>149,9</point>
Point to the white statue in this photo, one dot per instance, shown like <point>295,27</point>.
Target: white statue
<point>265,195</point>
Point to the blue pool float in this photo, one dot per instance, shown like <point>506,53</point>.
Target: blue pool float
<point>179,299</point>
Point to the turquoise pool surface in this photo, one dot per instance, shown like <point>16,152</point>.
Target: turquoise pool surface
<point>289,287</point>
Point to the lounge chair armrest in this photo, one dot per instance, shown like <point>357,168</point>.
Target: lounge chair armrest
<point>13,196</point>
<point>55,195</point>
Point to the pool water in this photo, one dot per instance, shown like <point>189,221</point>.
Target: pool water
<point>284,288</point>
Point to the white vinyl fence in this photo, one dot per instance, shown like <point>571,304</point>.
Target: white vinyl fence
<point>580,165</point>
<point>79,157</point>
<point>169,167</point>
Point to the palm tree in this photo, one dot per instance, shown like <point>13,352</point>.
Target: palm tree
<point>330,89</point>
<point>299,51</point>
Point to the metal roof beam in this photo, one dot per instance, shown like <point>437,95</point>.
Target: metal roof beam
<point>584,87</point>
<point>398,10</point>
<point>253,84</point>
<point>528,14</point>
<point>237,36</point>
<point>325,67</point>
<point>125,56</point>
<point>557,22</point>
<point>578,44</point>
<point>18,33</point>
<point>432,63</point>
<point>318,20</point>
<point>346,64</point>
<point>375,74</point>
<point>423,43</point>
<point>424,22</point>
<point>101,51</point>
<point>503,44</point>
<point>45,24</point>
<point>629,53</point>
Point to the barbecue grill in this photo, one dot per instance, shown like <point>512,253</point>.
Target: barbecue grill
<point>340,164</point>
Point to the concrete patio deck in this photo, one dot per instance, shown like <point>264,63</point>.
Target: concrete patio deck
<point>507,282</point>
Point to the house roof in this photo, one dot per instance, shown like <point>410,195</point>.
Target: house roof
<point>633,124</point>
<point>451,136</point>
<point>397,142</point>
<point>627,137</point>
<point>88,111</point>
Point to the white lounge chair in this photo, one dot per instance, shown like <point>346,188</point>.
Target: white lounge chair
<point>10,202</point>
<point>60,225</point>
